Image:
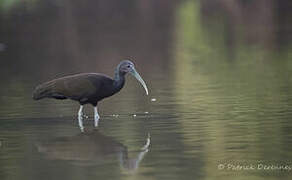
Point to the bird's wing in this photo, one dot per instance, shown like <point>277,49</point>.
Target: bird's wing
<point>76,86</point>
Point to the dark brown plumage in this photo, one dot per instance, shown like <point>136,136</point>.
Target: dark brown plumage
<point>84,88</point>
<point>87,88</point>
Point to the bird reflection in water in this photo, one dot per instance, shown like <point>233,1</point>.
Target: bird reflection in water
<point>92,148</point>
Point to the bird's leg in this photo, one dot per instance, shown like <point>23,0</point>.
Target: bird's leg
<point>146,146</point>
<point>96,116</point>
<point>80,118</point>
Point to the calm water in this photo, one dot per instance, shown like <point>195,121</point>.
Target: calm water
<point>220,74</point>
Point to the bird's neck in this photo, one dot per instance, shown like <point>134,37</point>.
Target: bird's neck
<point>119,79</point>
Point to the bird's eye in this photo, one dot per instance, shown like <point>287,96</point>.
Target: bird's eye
<point>128,66</point>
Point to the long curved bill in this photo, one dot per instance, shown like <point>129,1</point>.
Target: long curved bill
<point>138,77</point>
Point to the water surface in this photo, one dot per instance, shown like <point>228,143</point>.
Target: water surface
<point>220,74</point>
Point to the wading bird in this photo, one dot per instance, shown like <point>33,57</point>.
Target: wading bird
<point>88,88</point>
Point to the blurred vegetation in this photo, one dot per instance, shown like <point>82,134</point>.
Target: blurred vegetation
<point>7,5</point>
<point>236,90</point>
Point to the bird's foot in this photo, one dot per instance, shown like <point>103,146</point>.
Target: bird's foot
<point>96,120</point>
<point>82,129</point>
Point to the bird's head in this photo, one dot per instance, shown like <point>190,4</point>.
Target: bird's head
<point>127,66</point>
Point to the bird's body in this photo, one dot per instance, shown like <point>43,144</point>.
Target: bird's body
<point>87,88</point>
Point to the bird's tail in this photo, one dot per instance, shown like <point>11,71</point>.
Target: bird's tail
<point>43,90</point>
